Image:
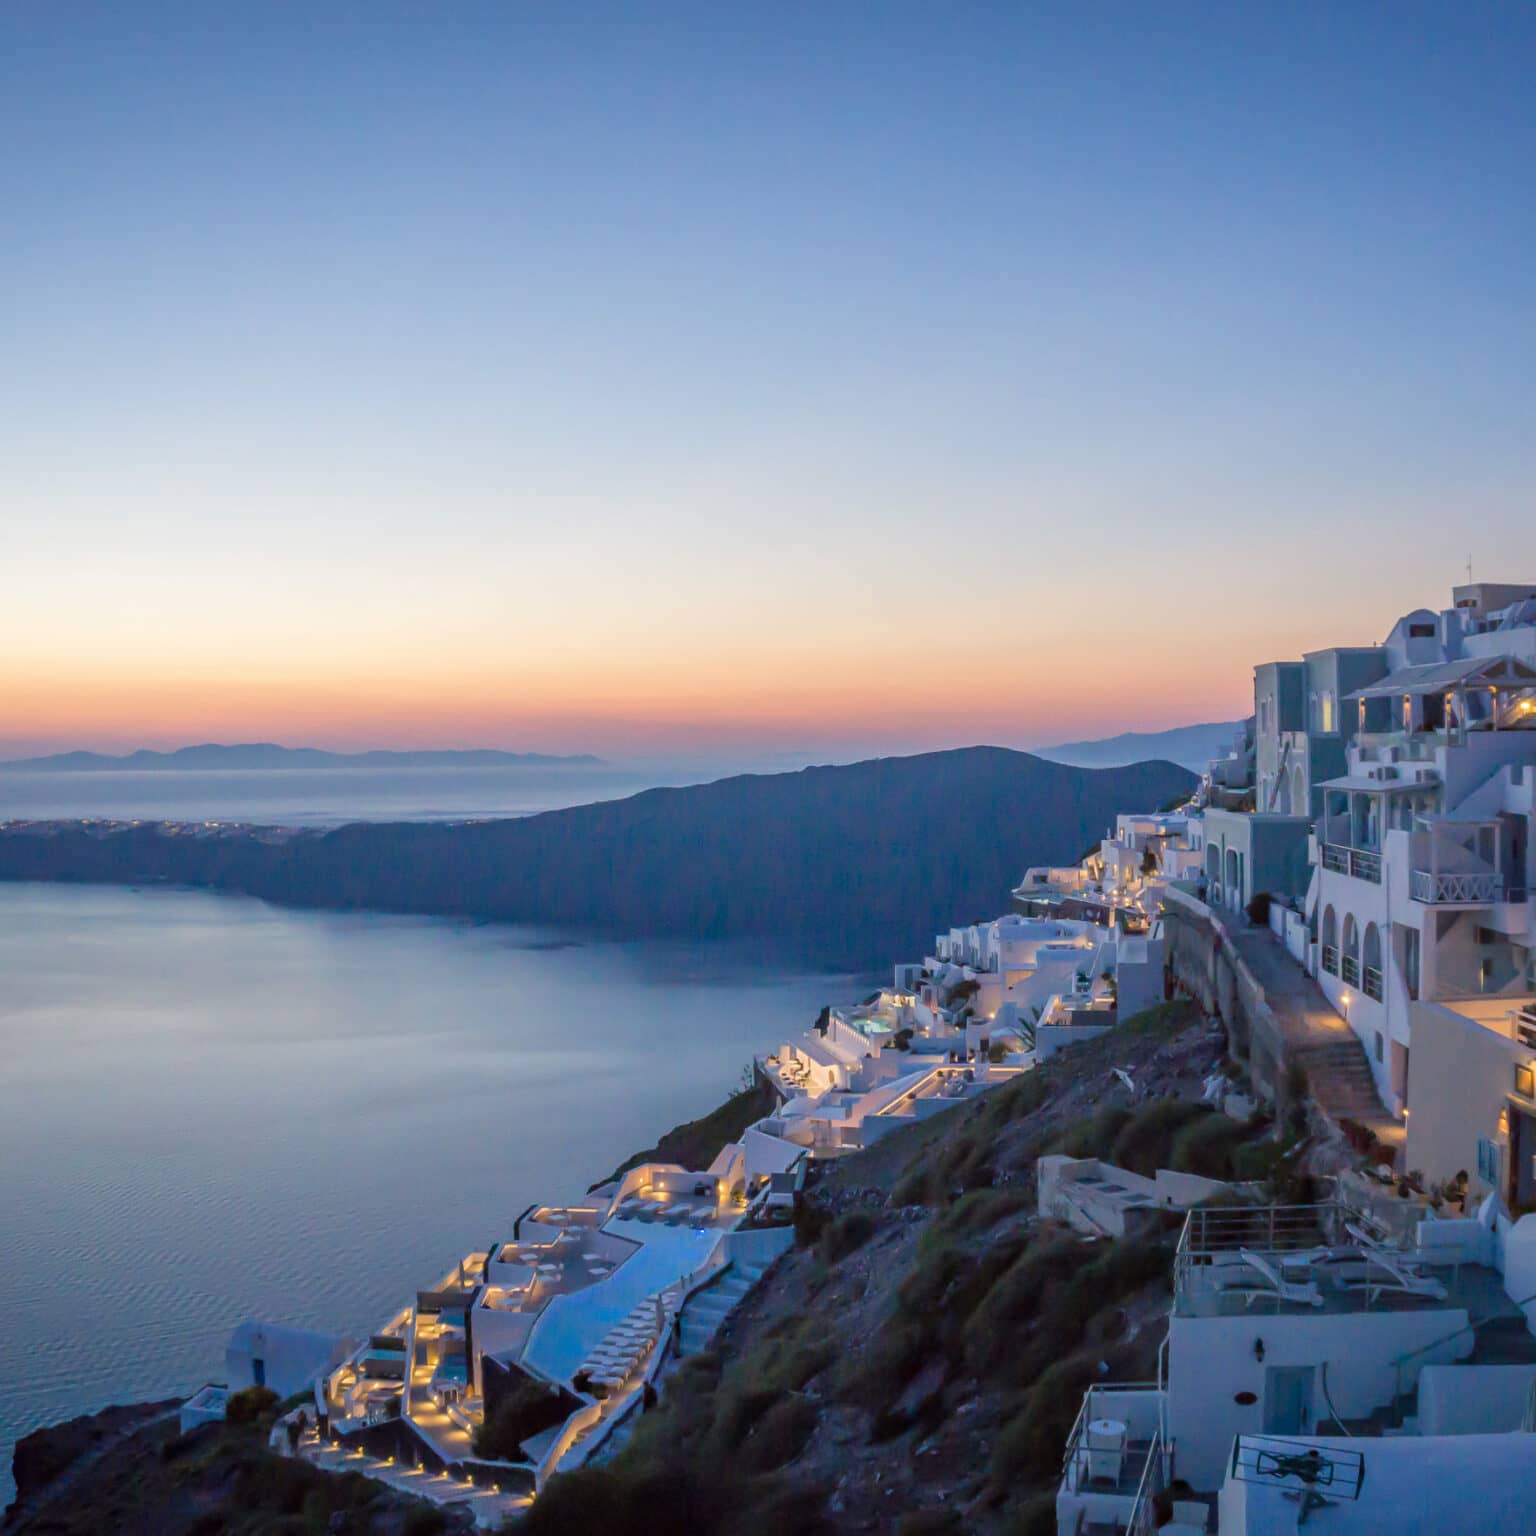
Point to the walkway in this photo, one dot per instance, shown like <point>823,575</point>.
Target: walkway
<point>490,1507</point>
<point>1338,1073</point>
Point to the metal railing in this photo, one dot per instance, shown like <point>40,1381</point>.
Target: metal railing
<point>1087,1413</point>
<point>1361,863</point>
<point>1372,984</point>
<point>1319,1473</point>
<point>1522,1026</point>
<point>1154,1478</point>
<point>1331,959</point>
<point>1471,888</point>
<point>1349,970</point>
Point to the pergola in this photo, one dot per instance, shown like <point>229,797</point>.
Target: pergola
<point>1488,692</point>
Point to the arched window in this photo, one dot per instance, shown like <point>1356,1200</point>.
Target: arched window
<point>1330,945</point>
<point>1349,960</point>
<point>1299,806</point>
<point>1371,978</point>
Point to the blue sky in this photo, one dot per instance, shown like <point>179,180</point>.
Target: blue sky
<point>621,376</point>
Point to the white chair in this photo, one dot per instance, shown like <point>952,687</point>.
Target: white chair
<point>1274,1284</point>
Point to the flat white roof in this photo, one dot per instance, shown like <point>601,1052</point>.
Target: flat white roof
<point>1481,1483</point>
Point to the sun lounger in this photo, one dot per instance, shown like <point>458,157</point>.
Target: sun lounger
<point>1273,1284</point>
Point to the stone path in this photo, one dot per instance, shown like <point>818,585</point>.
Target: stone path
<point>1338,1073</point>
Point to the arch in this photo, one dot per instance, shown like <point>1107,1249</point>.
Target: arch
<point>1371,954</point>
<point>1351,937</point>
<point>1330,928</point>
<point>1299,805</point>
<point>1282,795</point>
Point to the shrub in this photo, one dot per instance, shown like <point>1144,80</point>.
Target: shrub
<point>1258,909</point>
<point>528,1408</point>
<point>1094,1136</point>
<point>249,1405</point>
<point>931,1522</point>
<point>846,1235</point>
<point>426,1520</point>
<point>780,1434</point>
<point>1029,1446</point>
<point>1036,1518</point>
<point>1145,1142</point>
<point>1207,1145</point>
<point>810,1222</point>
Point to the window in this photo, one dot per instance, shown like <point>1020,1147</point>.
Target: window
<point>1381,1054</point>
<point>1421,631</point>
<point>1327,712</point>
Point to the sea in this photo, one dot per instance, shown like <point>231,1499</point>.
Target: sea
<point>212,1109</point>
<point>307,797</point>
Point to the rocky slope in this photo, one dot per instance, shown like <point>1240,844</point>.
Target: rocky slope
<point>915,1365</point>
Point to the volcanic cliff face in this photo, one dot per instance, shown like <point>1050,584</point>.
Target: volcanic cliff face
<point>847,867</point>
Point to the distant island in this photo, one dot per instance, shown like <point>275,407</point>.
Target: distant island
<point>215,757</point>
<point>1191,746</point>
<point>843,867</point>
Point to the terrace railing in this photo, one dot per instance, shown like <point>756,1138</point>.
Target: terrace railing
<point>1474,888</point>
<point>1372,985</point>
<point>1361,863</point>
<point>1522,1026</point>
<point>1331,959</point>
<point>1349,970</point>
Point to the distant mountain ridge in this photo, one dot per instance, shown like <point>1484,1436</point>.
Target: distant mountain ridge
<point>214,757</point>
<point>847,867</point>
<point>1190,746</point>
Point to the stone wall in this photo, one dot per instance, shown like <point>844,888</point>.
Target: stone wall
<point>1203,961</point>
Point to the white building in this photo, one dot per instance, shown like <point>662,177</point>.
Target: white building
<point>1315,1372</point>
<point>1424,852</point>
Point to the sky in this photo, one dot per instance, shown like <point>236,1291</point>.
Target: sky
<point>825,378</point>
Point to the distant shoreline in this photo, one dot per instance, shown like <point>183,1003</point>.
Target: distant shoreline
<point>213,757</point>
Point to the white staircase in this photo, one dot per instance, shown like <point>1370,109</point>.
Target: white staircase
<point>704,1313</point>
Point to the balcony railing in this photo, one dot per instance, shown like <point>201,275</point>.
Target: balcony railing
<point>1330,959</point>
<point>1522,1026</point>
<point>1372,986</point>
<point>1475,888</point>
<point>1361,863</point>
<point>1349,970</point>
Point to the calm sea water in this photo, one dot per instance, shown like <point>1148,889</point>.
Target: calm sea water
<point>212,1109</point>
<point>309,797</point>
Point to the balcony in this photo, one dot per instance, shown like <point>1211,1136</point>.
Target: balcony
<point>1522,1026</point>
<point>1330,959</point>
<point>1361,863</point>
<point>1474,888</point>
<point>1372,983</point>
<point>1349,971</point>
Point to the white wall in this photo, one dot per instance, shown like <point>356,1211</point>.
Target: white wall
<point>1211,1360</point>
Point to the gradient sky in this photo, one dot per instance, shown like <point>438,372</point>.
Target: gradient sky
<point>740,377</point>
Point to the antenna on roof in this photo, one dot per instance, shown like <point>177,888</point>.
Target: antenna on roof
<point>1469,570</point>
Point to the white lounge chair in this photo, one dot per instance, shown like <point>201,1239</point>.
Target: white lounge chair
<point>1274,1285</point>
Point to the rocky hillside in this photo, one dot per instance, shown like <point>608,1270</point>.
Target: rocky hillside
<point>129,1472</point>
<point>915,1365</point>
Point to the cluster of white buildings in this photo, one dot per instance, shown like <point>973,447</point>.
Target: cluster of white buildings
<point>1381,804</point>
<point>1317,1371</point>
